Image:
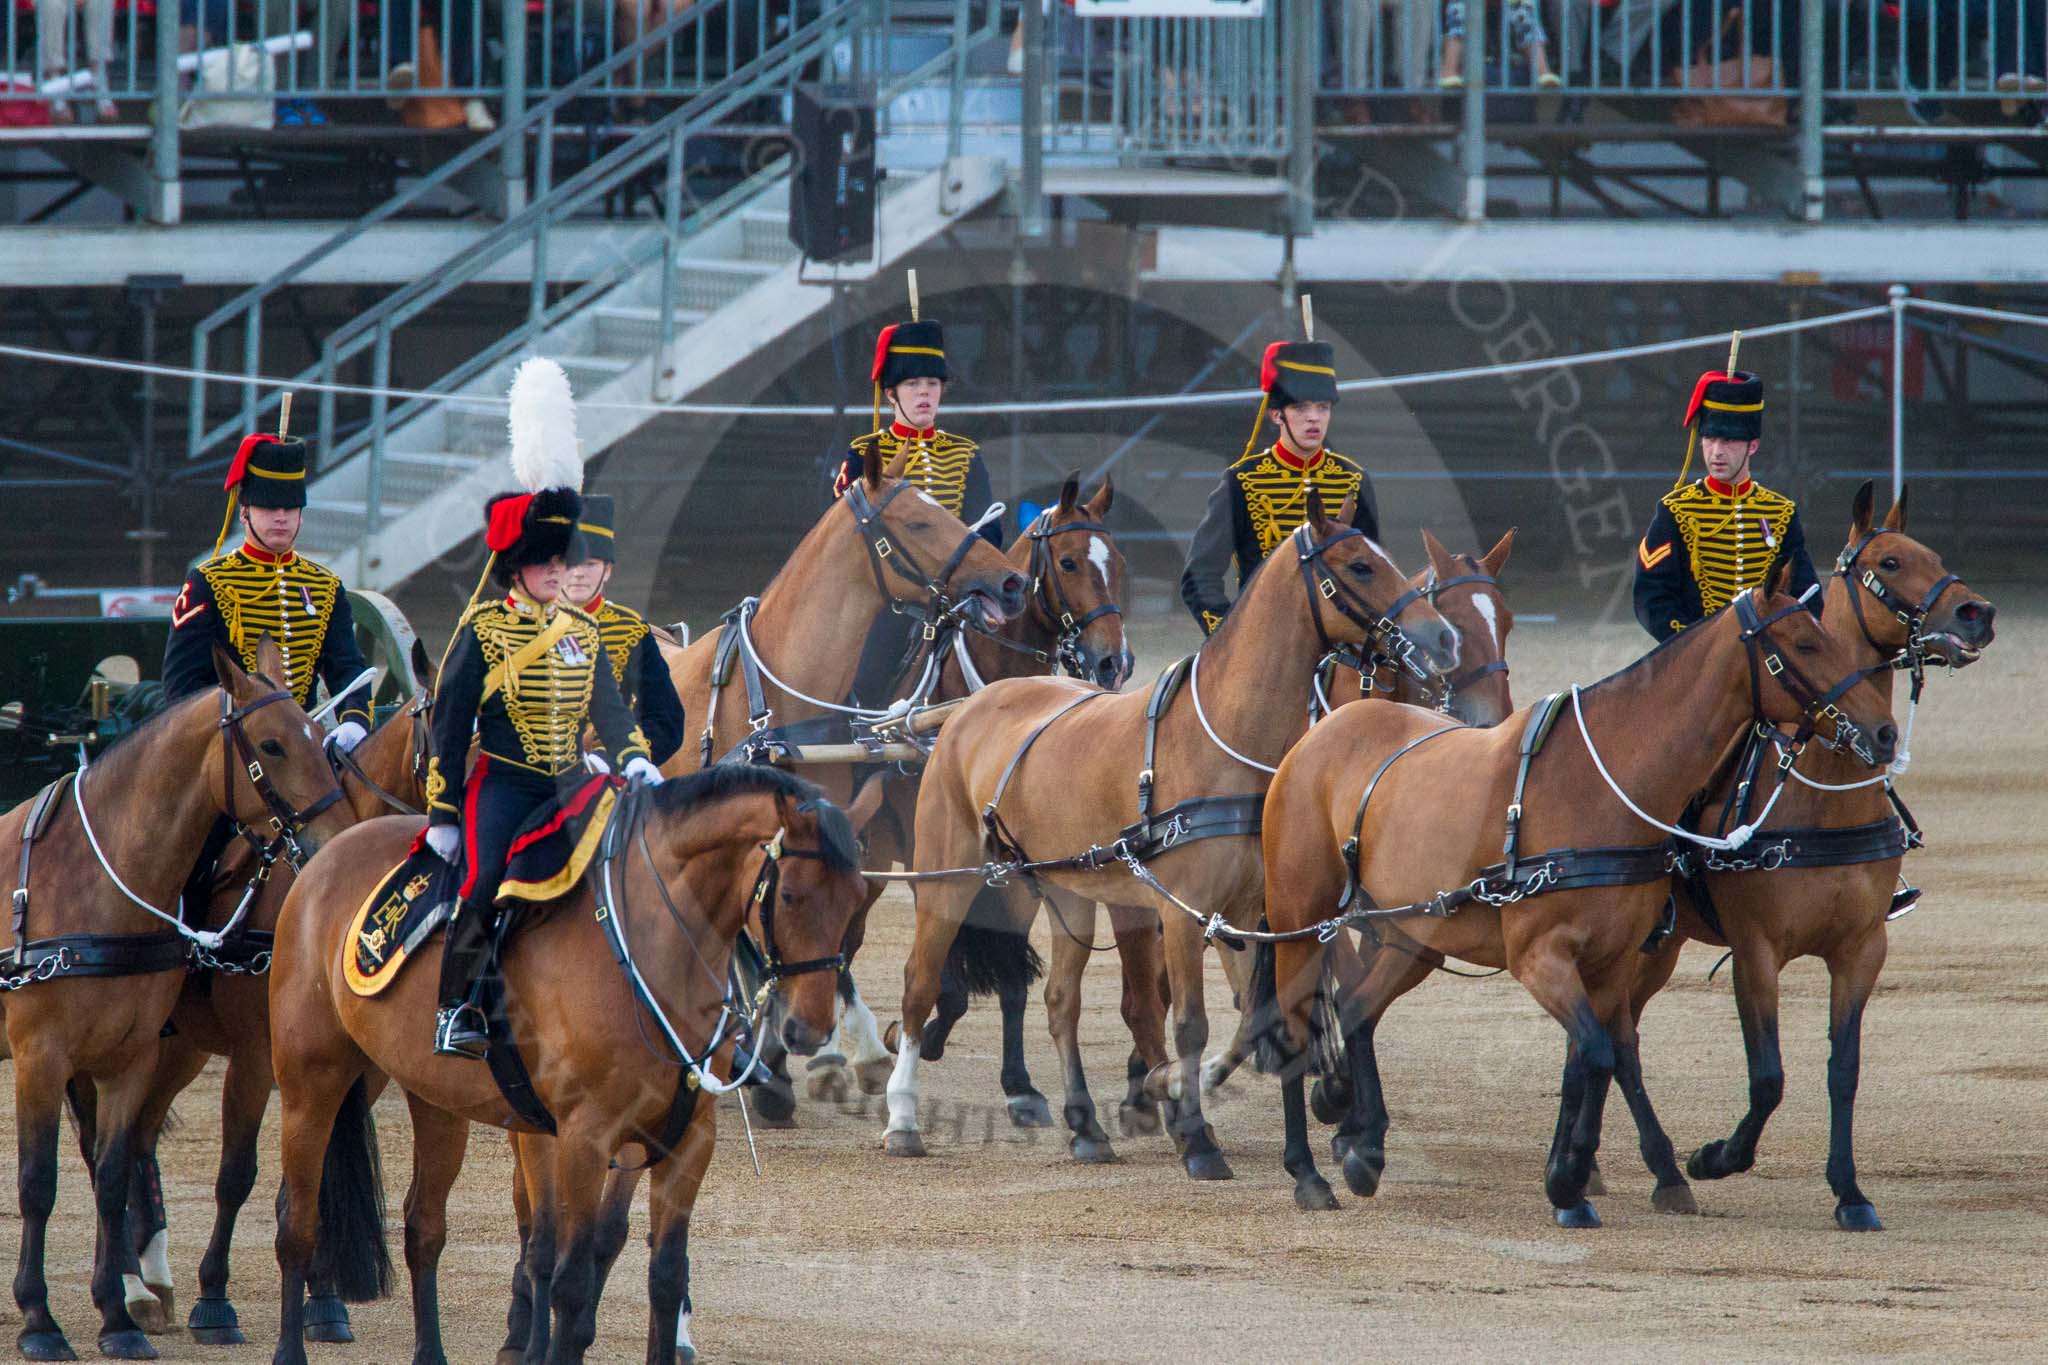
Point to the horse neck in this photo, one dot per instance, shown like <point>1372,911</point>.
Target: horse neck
<point>814,617</point>
<point>151,799</point>
<point>1032,629</point>
<point>695,953</point>
<point>1257,667</point>
<point>386,759</point>
<point>1662,726</point>
<point>1821,763</point>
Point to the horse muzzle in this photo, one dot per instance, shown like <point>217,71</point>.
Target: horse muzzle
<point>1966,635</point>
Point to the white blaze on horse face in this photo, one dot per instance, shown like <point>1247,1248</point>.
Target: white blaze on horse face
<point>929,498</point>
<point>1098,555</point>
<point>1484,606</point>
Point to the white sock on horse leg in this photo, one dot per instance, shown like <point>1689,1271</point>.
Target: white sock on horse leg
<point>903,1085</point>
<point>134,1291</point>
<point>683,1342</point>
<point>156,1260</point>
<point>857,1028</point>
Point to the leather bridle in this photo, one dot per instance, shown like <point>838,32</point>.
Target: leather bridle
<point>1911,655</point>
<point>886,557</point>
<point>1384,639</point>
<point>414,711</point>
<point>1816,704</point>
<point>286,823</point>
<point>767,886</point>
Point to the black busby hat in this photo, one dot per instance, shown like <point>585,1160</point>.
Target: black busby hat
<point>910,350</point>
<point>1299,372</point>
<point>598,525</point>
<point>267,471</point>
<point>1728,405</point>
<point>532,528</point>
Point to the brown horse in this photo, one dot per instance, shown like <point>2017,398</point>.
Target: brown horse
<point>1388,812</point>
<point>1467,591</point>
<point>116,847</point>
<point>685,868</point>
<point>1795,891</point>
<point>1092,783</point>
<point>1072,622</point>
<point>225,1012</point>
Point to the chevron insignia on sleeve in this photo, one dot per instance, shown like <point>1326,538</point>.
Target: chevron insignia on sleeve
<point>1650,558</point>
<point>181,612</point>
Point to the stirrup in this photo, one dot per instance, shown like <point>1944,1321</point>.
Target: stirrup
<point>461,1032</point>
<point>1904,901</point>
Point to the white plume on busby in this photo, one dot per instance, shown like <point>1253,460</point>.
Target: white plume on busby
<point>545,452</point>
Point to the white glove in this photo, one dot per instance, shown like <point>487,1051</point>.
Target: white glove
<point>347,735</point>
<point>446,840</point>
<point>596,764</point>
<point>640,770</point>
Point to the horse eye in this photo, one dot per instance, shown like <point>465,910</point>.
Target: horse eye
<point>917,526</point>
<point>1889,564</point>
<point>1067,564</point>
<point>1806,647</point>
<point>272,747</point>
<point>1360,568</point>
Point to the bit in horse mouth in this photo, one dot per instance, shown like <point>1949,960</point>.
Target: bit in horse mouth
<point>1952,651</point>
<point>986,605</point>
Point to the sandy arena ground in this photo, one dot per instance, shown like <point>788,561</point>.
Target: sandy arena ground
<point>998,1248</point>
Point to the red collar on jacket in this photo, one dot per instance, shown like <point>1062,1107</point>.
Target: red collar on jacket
<point>904,432</point>
<point>1293,461</point>
<point>262,556</point>
<point>1722,490</point>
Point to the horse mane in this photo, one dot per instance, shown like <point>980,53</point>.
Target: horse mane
<point>1672,645</point>
<point>727,781</point>
<point>156,720</point>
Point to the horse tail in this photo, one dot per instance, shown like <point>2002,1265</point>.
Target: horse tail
<point>350,1252</point>
<point>1274,1054</point>
<point>990,953</point>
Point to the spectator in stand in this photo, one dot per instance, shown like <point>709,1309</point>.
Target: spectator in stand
<point>1525,34</point>
<point>445,60</point>
<point>53,27</point>
<point>215,23</point>
<point>1938,55</point>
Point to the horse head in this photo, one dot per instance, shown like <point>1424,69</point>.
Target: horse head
<point>1803,674</point>
<point>928,552</point>
<point>1903,597</point>
<point>1365,588</point>
<point>1465,591</point>
<point>277,780</point>
<point>1078,583</point>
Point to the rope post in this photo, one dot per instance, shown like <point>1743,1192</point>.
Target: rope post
<point>1898,306</point>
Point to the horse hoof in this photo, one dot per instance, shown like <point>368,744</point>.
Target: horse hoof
<point>828,1082</point>
<point>327,1321</point>
<point>1668,1199</point>
<point>1361,1174</point>
<point>1029,1110</point>
<point>873,1077</point>
<point>1596,1183</point>
<point>1091,1151</point>
<point>214,1323</point>
<point>1312,1195</point>
<point>1214,1073</point>
<point>686,1355</point>
<point>127,1346</point>
<point>903,1143</point>
<point>1329,1103</point>
<point>1857,1218</point>
<point>1137,1120</point>
<point>1710,1162</point>
<point>45,1346</point>
<point>1580,1215</point>
<point>1208,1165</point>
<point>779,1122</point>
<point>893,1034</point>
<point>151,1314</point>
<point>511,1355</point>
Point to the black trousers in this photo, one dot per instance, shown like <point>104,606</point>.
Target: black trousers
<point>499,799</point>
<point>875,681</point>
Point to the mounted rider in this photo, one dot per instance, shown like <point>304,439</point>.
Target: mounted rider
<point>637,666</point>
<point>1262,497</point>
<point>525,675</point>
<point>1716,536</point>
<point>910,371</point>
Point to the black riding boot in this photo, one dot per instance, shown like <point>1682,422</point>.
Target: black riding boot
<point>462,1029</point>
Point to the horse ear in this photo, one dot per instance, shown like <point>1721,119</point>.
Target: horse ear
<point>270,661</point>
<point>1496,559</point>
<point>1098,506</point>
<point>1860,510</point>
<point>227,669</point>
<point>871,462</point>
<point>422,665</point>
<point>1318,519</point>
<point>898,465</point>
<point>1778,578</point>
<point>1347,515</point>
<point>1895,520</point>
<point>1439,557</point>
<point>1070,492</point>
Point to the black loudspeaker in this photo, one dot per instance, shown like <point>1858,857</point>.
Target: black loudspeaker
<point>832,195</point>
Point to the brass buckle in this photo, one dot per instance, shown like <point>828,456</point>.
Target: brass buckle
<point>883,549</point>
<point>255,771</point>
<point>1774,664</point>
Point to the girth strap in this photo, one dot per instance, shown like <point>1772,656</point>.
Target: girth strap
<point>39,814</point>
<point>94,955</point>
<point>1542,717</point>
<point>1163,692</point>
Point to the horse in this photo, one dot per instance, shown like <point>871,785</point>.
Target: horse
<point>1385,818</point>
<point>1467,591</point>
<point>1817,879</point>
<point>639,951</point>
<point>103,857</point>
<point>225,1012</point>
<point>1073,622</point>
<point>1326,588</point>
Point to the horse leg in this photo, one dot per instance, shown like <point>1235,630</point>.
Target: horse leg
<point>1074,931</point>
<point>519,1315</point>
<point>775,1098</point>
<point>1852,975</point>
<point>951,1006</point>
<point>1756,1002</point>
<point>245,1094</point>
<point>120,1107</point>
<point>861,1039</point>
<point>941,909</point>
<point>614,1220</point>
<point>535,1157</point>
<point>1144,1010</point>
<point>1360,1142</point>
<point>580,1163</point>
<point>324,1113</point>
<point>1652,975</point>
<point>1672,1194</point>
<point>1552,978</point>
<point>439,1139</point>
<point>671,1200</point>
<point>39,1081</point>
<point>1182,1085</point>
<point>152,1301</point>
<point>1028,1108</point>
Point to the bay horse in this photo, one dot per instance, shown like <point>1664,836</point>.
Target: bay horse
<point>1818,879</point>
<point>93,974</point>
<point>686,867</point>
<point>1466,589</point>
<point>225,1012</point>
<point>1093,785</point>
<point>1073,623</point>
<point>1395,816</point>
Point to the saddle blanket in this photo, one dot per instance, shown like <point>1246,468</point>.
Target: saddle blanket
<point>548,857</point>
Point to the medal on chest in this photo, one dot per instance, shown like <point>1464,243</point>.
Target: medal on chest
<point>570,651</point>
